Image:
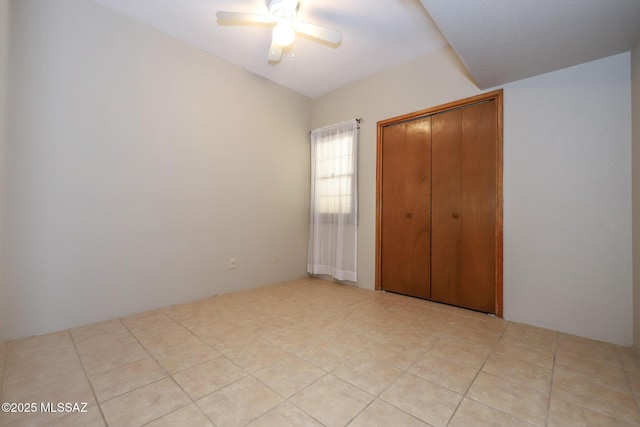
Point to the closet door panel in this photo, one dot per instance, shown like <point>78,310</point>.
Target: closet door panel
<point>405,234</point>
<point>446,207</point>
<point>478,206</point>
<point>463,207</point>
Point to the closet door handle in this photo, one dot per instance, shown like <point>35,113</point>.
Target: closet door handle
<point>455,216</point>
<point>409,216</point>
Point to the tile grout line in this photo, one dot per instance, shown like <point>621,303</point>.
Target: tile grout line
<point>597,410</point>
<point>379,395</point>
<point>329,372</point>
<point>626,375</point>
<point>151,356</point>
<point>286,399</point>
<point>326,373</point>
<point>248,374</point>
<point>375,397</point>
<point>464,395</point>
<point>86,376</point>
<point>553,375</point>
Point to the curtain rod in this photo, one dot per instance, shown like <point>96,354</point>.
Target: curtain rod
<point>357,119</point>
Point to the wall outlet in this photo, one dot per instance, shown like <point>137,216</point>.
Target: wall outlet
<point>275,258</point>
<point>232,263</point>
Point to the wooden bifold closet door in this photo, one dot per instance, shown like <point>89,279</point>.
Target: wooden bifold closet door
<point>406,239</point>
<point>439,199</point>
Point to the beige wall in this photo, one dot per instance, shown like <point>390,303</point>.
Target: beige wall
<point>567,262</point>
<point>635,108</point>
<point>4,80</point>
<point>138,166</point>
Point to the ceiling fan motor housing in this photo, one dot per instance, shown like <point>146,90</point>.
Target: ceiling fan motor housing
<point>282,11</point>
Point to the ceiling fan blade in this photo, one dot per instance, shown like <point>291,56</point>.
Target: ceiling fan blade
<point>241,17</point>
<point>275,52</point>
<point>318,32</point>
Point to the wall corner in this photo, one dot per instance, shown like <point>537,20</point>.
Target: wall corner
<point>4,135</point>
<point>635,189</point>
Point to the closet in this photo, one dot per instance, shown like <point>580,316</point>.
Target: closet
<point>439,204</point>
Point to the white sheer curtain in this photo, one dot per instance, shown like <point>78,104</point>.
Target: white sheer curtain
<point>333,230</point>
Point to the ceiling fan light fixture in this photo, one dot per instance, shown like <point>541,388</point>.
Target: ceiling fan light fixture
<point>283,34</point>
<point>282,16</point>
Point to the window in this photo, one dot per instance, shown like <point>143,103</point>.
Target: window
<point>335,176</point>
<point>334,201</point>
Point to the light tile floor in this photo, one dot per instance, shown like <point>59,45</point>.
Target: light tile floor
<point>315,353</point>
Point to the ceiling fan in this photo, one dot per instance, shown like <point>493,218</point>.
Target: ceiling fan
<point>282,16</point>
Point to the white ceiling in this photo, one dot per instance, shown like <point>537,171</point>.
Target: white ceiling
<point>499,41</point>
<point>376,35</point>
